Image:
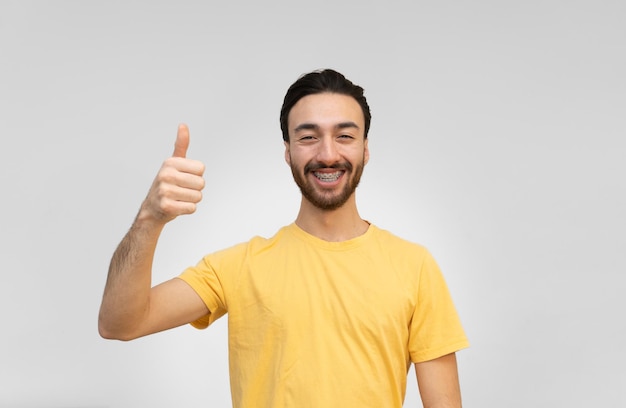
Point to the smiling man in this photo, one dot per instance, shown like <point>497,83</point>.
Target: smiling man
<point>331,310</point>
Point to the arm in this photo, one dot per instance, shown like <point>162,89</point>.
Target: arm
<point>438,382</point>
<point>130,307</point>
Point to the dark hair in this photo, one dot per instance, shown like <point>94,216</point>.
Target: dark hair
<point>319,82</point>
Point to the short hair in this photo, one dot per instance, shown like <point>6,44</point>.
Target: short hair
<point>321,81</point>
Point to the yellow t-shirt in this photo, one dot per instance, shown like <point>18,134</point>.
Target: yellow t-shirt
<point>326,324</point>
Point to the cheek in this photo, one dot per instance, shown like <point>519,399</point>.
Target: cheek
<point>295,158</point>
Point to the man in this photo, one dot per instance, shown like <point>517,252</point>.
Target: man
<point>329,312</point>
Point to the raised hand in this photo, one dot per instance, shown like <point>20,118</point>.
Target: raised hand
<point>130,308</point>
<point>177,188</point>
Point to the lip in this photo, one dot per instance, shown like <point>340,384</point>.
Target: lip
<point>324,183</point>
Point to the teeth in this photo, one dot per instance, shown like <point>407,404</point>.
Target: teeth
<point>328,176</point>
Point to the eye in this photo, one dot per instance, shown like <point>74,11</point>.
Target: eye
<point>345,137</point>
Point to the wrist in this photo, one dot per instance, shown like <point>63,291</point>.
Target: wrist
<point>147,221</point>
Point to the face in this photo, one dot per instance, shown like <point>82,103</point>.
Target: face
<point>327,150</point>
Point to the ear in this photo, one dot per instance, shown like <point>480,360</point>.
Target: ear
<point>366,152</point>
<point>287,155</point>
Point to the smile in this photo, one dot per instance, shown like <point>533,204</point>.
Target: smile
<point>328,177</point>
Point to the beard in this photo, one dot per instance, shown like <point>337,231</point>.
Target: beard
<point>328,200</point>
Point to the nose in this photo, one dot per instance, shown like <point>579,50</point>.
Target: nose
<point>328,152</point>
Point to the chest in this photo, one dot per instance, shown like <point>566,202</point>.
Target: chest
<point>351,294</point>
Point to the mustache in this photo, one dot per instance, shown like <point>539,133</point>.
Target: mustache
<point>309,167</point>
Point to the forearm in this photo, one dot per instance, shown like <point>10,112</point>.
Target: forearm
<point>126,297</point>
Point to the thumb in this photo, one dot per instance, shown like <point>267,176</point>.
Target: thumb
<point>182,142</point>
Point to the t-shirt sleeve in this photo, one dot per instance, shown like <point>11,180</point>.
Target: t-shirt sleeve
<point>211,279</point>
<point>203,279</point>
<point>435,329</point>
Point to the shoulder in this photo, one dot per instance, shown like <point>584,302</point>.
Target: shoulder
<point>254,245</point>
<point>406,254</point>
<point>395,244</point>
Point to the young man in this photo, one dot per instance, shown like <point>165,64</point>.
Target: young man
<point>329,312</point>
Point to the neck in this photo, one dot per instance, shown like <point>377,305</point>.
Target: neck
<point>337,225</point>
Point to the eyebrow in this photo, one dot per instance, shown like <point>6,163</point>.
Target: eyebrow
<point>313,126</point>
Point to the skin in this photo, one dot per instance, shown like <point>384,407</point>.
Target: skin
<point>325,136</point>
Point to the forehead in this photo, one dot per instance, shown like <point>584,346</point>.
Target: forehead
<point>325,110</point>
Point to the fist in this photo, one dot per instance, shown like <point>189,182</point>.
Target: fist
<point>177,188</point>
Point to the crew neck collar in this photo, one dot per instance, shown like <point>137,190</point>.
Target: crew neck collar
<point>331,245</point>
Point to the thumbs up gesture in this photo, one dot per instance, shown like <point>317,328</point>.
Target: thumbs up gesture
<point>177,188</point>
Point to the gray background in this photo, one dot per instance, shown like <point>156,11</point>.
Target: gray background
<point>497,142</point>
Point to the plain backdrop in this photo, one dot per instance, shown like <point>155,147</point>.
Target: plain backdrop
<point>497,141</point>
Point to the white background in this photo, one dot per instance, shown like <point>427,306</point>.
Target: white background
<point>497,141</point>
